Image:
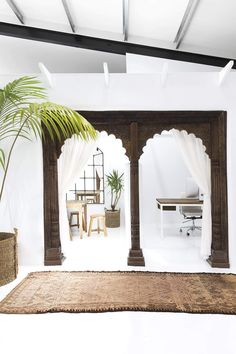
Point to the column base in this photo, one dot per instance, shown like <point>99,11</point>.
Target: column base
<point>218,259</point>
<point>53,256</point>
<point>135,258</point>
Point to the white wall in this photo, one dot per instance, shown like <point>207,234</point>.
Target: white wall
<point>24,194</point>
<point>183,91</point>
<point>163,174</point>
<point>136,64</point>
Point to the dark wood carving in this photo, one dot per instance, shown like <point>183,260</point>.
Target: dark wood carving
<point>134,128</point>
<point>219,255</point>
<point>52,242</point>
<point>135,253</point>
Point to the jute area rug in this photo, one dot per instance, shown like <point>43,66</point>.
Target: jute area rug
<point>59,291</point>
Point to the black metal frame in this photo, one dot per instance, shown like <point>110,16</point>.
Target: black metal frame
<point>93,165</point>
<point>106,45</point>
<point>103,175</point>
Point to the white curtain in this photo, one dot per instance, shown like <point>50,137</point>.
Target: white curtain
<point>199,165</point>
<point>72,161</point>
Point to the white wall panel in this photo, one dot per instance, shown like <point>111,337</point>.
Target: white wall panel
<point>183,91</point>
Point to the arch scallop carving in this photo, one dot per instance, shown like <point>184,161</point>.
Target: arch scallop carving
<point>134,128</point>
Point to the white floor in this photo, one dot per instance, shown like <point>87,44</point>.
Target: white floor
<point>121,332</point>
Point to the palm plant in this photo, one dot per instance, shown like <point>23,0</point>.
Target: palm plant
<point>23,114</point>
<point>116,185</point>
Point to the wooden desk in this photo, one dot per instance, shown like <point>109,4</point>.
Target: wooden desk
<point>84,194</point>
<point>171,204</point>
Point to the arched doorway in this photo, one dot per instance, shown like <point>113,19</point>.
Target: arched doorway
<point>134,128</point>
<point>78,170</point>
<point>174,172</point>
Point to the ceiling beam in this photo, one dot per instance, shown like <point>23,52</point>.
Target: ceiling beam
<point>164,74</point>
<point>224,72</point>
<point>107,45</point>
<point>16,11</point>
<point>106,74</point>
<point>68,15</point>
<point>186,20</point>
<point>46,75</point>
<point>125,12</point>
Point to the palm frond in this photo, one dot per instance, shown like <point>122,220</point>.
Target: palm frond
<point>21,115</point>
<point>60,121</point>
<point>2,159</point>
<point>14,100</point>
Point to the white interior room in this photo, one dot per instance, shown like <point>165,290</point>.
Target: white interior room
<point>97,250</point>
<point>164,174</point>
<point>93,80</point>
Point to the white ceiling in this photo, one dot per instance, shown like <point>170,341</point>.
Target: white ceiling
<point>213,28</point>
<point>153,22</point>
<point>158,20</point>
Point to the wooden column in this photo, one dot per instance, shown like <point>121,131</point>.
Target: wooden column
<point>52,243</point>
<point>219,249</point>
<point>135,257</point>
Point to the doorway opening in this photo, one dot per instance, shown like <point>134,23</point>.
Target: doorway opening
<point>171,204</point>
<point>95,249</point>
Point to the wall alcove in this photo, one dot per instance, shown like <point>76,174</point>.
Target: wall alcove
<point>134,128</point>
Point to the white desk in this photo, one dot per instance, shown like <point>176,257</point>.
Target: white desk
<point>171,204</point>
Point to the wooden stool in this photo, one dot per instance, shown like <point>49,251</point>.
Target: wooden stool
<point>80,222</point>
<point>79,214</point>
<point>99,217</point>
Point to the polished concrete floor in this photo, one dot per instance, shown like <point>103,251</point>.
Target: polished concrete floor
<point>122,332</point>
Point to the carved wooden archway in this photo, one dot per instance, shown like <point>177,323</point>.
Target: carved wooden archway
<point>134,128</point>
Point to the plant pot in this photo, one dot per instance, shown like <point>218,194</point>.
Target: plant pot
<point>8,257</point>
<point>112,218</point>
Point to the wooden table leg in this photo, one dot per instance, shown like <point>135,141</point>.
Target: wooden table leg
<point>85,217</point>
<point>90,226</point>
<point>104,227</point>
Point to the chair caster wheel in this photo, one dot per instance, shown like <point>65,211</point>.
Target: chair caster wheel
<point>180,230</point>
<point>188,233</point>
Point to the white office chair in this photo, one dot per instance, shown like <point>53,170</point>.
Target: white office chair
<point>191,213</point>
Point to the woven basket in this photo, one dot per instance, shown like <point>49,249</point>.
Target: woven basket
<point>112,218</point>
<point>8,257</point>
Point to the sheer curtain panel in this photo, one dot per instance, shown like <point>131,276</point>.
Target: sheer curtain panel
<point>72,161</point>
<point>199,165</point>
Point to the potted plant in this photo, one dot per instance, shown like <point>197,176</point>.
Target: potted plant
<point>24,113</point>
<point>115,182</point>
